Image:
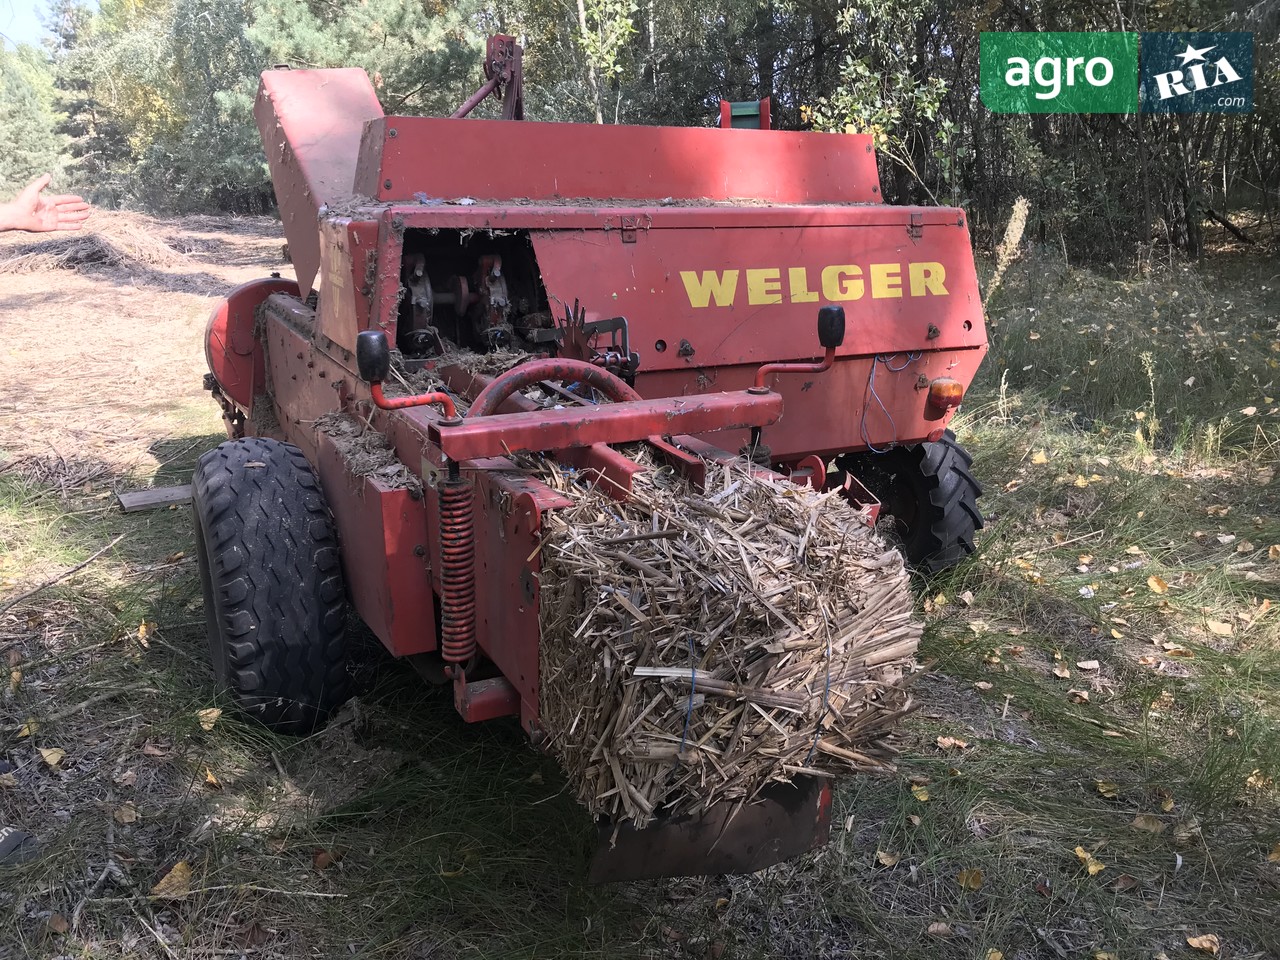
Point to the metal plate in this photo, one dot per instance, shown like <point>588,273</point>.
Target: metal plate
<point>788,820</point>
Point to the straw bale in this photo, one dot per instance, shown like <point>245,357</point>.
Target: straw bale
<point>697,646</point>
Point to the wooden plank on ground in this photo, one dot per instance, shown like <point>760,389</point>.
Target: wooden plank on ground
<point>134,500</point>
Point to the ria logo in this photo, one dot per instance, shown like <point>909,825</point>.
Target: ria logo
<point>1197,72</point>
<point>1172,84</point>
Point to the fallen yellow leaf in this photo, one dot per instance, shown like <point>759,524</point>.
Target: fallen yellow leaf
<point>1116,634</point>
<point>1088,664</point>
<point>887,859</point>
<point>1157,585</point>
<point>1039,457</point>
<point>8,780</point>
<point>970,879</point>
<point>1248,412</point>
<point>1108,789</point>
<point>952,743</point>
<point>1187,832</point>
<point>127,813</point>
<point>1078,696</point>
<point>1273,551</point>
<point>1061,670</point>
<point>994,955</point>
<point>52,755</point>
<point>58,923</point>
<point>28,728</point>
<point>210,780</point>
<point>1274,855</point>
<point>1219,628</point>
<point>1205,944</point>
<point>1094,866</point>
<point>175,884</point>
<point>1149,823</point>
<point>982,685</point>
<point>1166,804</point>
<point>1104,955</point>
<point>920,793</point>
<point>208,717</point>
<point>939,929</point>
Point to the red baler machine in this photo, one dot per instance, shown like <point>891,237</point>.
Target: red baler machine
<point>674,273</point>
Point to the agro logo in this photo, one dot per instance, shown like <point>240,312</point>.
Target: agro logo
<point>1059,72</point>
<point>1197,72</point>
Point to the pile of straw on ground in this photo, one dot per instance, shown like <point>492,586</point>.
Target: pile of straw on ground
<point>699,645</point>
<point>109,239</point>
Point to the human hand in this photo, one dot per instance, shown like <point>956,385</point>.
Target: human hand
<point>37,213</point>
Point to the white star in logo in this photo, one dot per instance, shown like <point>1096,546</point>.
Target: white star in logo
<point>1191,53</point>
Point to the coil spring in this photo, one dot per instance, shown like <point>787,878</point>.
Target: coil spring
<point>457,572</point>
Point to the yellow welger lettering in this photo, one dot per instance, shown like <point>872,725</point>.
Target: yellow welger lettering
<point>702,287</point>
<point>764,286</point>
<point>927,278</point>
<point>840,282</point>
<point>799,283</point>
<point>886,280</point>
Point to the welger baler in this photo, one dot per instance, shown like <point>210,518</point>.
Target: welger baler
<point>714,293</point>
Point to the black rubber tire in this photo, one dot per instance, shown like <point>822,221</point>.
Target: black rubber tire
<point>275,600</point>
<point>931,495</point>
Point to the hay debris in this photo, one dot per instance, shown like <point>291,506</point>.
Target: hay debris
<point>366,452</point>
<point>114,239</point>
<point>488,364</point>
<point>67,475</point>
<point>406,382</point>
<point>698,646</point>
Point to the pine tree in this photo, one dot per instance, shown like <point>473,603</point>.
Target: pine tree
<point>29,143</point>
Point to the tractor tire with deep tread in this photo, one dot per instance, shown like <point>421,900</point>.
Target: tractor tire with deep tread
<point>931,494</point>
<point>275,600</point>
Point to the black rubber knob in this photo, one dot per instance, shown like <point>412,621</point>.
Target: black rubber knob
<point>831,325</point>
<point>373,356</point>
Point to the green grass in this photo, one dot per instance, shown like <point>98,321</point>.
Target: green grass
<point>459,841</point>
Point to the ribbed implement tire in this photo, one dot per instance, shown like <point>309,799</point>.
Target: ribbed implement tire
<point>275,602</point>
<point>932,495</point>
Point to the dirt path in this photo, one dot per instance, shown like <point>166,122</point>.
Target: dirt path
<point>106,361</point>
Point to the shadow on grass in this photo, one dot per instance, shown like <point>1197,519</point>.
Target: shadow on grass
<point>447,840</point>
<point>176,456</point>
